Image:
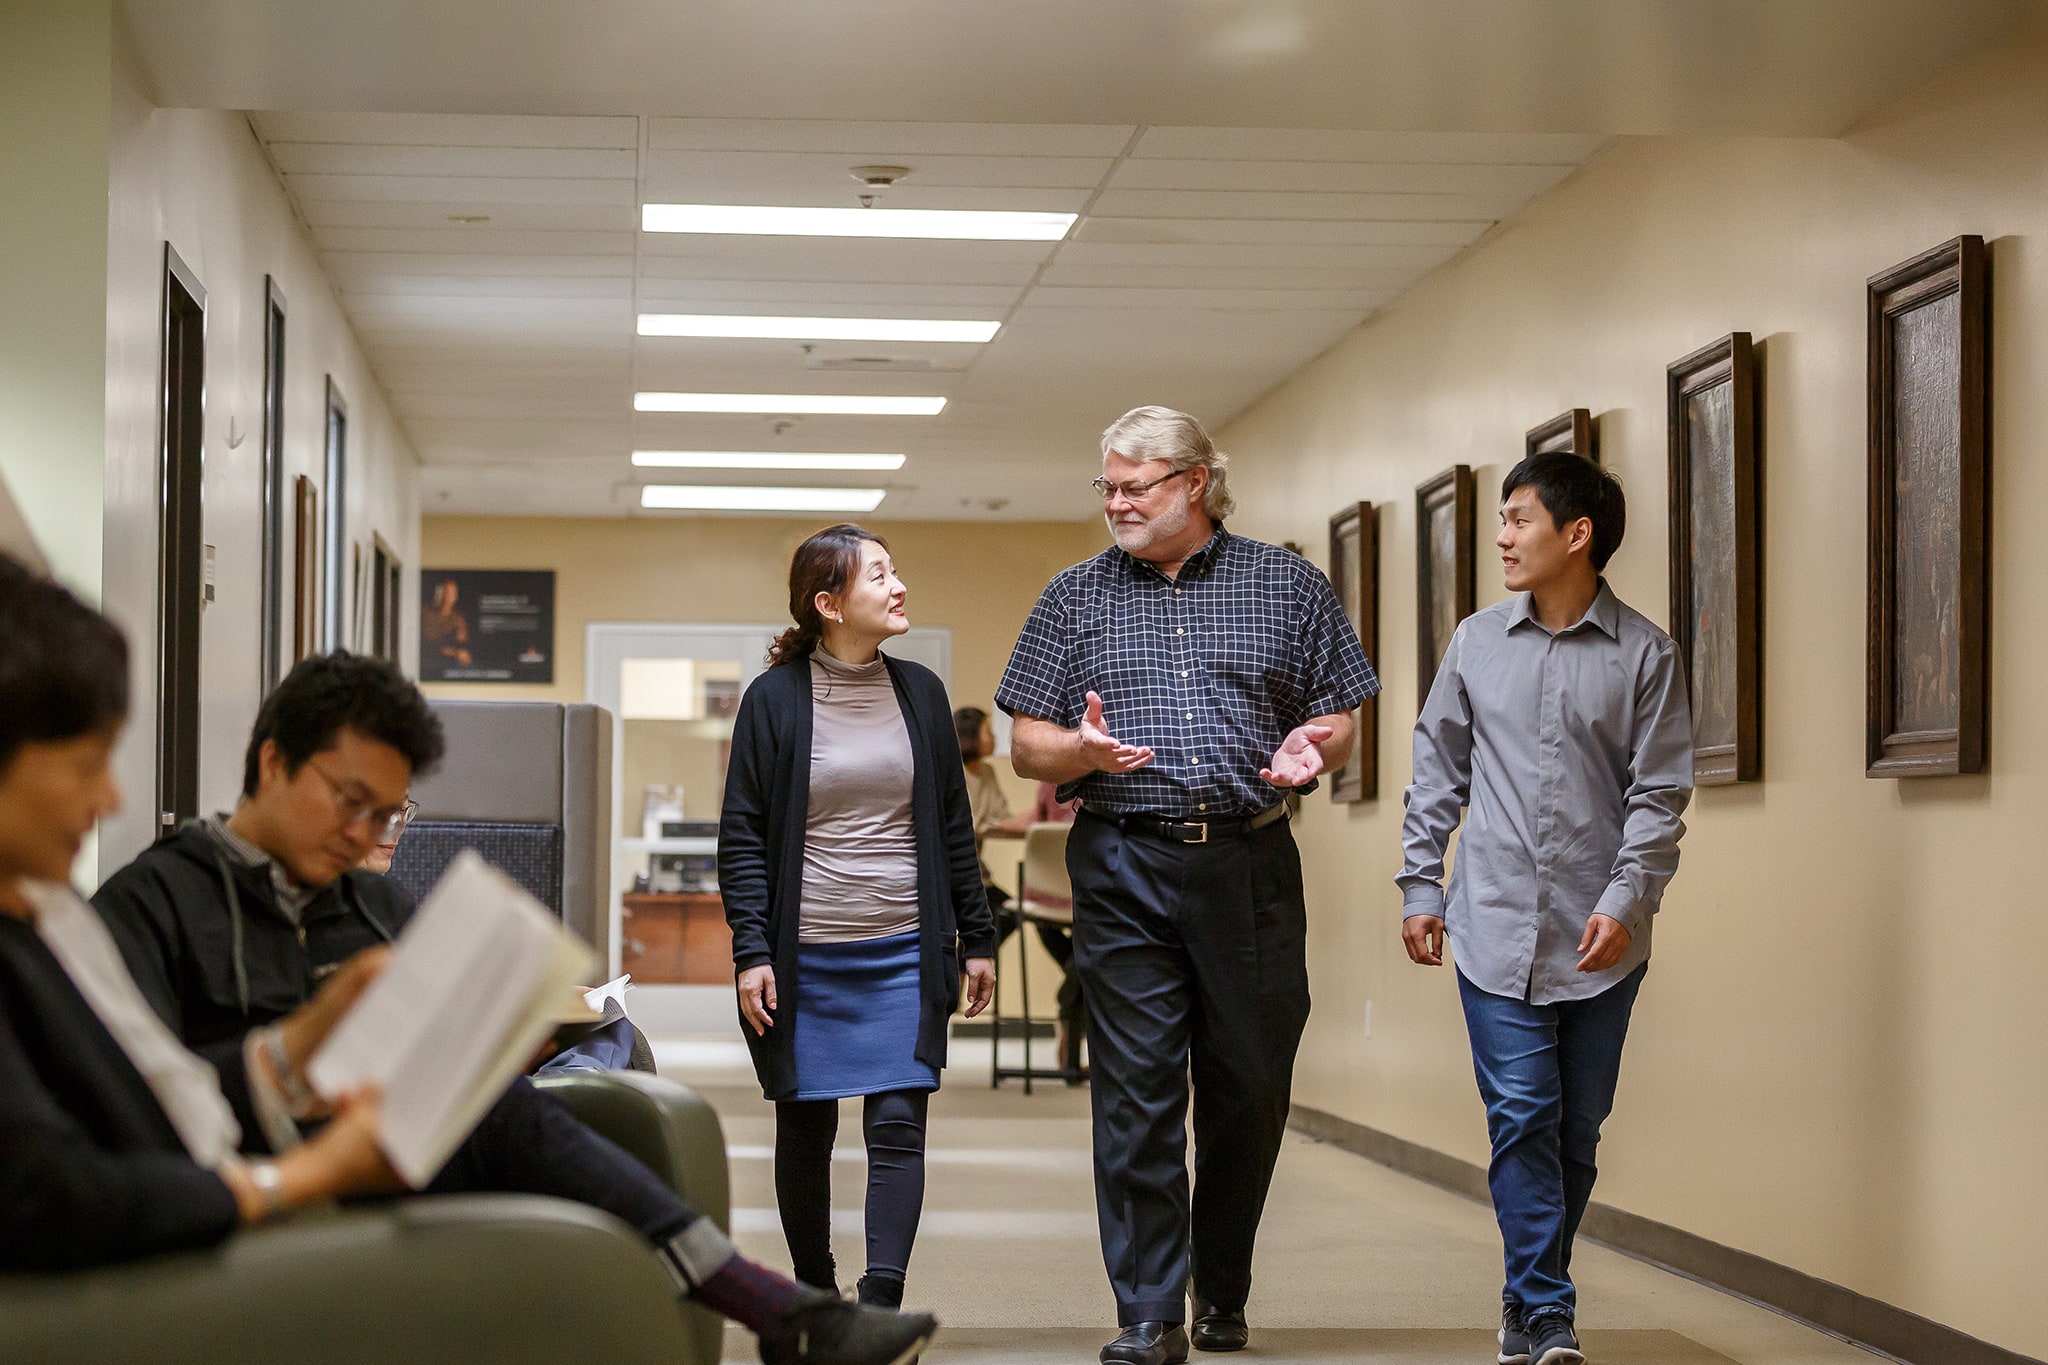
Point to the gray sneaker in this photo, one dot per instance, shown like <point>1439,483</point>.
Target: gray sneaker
<point>1552,1341</point>
<point>1513,1336</point>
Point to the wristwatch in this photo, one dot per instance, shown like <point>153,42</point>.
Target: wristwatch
<point>269,1183</point>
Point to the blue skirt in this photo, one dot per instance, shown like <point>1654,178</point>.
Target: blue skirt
<point>857,1008</point>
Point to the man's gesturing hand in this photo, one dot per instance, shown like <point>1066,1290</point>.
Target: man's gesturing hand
<point>1603,943</point>
<point>1298,760</point>
<point>1101,751</point>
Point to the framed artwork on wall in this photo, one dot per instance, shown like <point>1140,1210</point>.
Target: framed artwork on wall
<point>1571,430</point>
<point>305,568</point>
<point>1355,574</point>
<point>1444,591</point>
<point>1927,692</point>
<point>1717,555</point>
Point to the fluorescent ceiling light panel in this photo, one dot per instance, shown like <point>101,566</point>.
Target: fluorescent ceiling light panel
<point>839,404</point>
<point>723,498</point>
<point>760,459</point>
<point>815,329</point>
<point>769,221</point>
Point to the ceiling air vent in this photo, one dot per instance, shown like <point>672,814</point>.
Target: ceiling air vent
<point>882,364</point>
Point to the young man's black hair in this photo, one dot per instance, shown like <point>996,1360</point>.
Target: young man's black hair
<point>328,693</point>
<point>63,666</point>
<point>1569,487</point>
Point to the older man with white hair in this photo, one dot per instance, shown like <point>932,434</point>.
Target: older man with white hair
<point>1181,684</point>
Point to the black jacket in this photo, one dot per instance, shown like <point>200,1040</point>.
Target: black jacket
<point>91,1170</point>
<point>761,853</point>
<point>216,965</point>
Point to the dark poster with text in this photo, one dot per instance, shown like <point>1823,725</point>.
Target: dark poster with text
<point>487,625</point>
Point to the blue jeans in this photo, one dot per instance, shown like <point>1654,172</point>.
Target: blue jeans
<point>1547,1074</point>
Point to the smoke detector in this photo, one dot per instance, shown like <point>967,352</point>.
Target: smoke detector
<point>877,179</point>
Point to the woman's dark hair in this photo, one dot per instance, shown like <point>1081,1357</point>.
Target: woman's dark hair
<point>825,563</point>
<point>1569,487</point>
<point>329,693</point>
<point>63,666</point>
<point>967,723</point>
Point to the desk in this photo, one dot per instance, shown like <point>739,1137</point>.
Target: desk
<point>675,938</point>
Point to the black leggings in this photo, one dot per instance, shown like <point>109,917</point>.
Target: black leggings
<point>893,1123</point>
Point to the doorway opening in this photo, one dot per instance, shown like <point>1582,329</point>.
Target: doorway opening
<point>181,532</point>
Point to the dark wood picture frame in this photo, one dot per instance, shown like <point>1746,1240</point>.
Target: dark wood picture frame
<point>1355,574</point>
<point>1571,430</point>
<point>1444,590</point>
<point>1716,551</point>
<point>1927,681</point>
<point>305,568</point>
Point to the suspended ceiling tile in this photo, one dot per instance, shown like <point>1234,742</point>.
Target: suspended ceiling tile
<point>348,265</point>
<point>340,213</point>
<point>1359,177</point>
<point>785,295</point>
<point>1243,204</point>
<point>1316,144</point>
<point>523,163</point>
<point>446,130</point>
<point>852,138</point>
<point>487,286</point>
<point>769,177</point>
<point>1426,232</point>
<point>1410,259</point>
<point>1059,275</point>
<point>473,241</point>
<point>1363,300</point>
<point>455,189</point>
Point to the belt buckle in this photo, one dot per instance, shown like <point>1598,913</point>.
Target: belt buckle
<point>1202,825</point>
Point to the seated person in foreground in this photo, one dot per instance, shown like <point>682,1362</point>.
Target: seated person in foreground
<point>117,1143</point>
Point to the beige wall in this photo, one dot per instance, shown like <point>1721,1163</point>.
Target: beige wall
<point>1838,1059</point>
<point>198,179</point>
<point>54,76</point>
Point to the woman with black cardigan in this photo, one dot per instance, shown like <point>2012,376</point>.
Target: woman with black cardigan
<point>846,860</point>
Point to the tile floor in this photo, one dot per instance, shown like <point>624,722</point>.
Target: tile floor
<point>1356,1262</point>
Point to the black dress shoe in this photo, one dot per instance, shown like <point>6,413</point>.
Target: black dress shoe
<point>1148,1343</point>
<point>1216,1330</point>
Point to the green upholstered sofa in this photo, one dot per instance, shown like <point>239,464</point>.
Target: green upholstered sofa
<point>490,1279</point>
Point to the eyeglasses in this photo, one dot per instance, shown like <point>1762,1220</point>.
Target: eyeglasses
<point>387,822</point>
<point>1131,491</point>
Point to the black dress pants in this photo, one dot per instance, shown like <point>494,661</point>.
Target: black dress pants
<point>1192,963</point>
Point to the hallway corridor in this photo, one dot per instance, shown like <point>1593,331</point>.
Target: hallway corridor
<point>1356,1262</point>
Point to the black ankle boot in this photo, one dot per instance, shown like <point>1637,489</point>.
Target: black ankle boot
<point>883,1291</point>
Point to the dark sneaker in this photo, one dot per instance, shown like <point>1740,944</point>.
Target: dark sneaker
<point>831,1331</point>
<point>1513,1336</point>
<point>1552,1341</point>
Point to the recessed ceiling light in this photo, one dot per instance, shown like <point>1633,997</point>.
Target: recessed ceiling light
<point>815,329</point>
<point>854,405</point>
<point>723,498</point>
<point>760,459</point>
<point>769,221</point>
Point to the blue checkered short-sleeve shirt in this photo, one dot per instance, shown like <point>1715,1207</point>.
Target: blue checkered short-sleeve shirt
<point>1211,670</point>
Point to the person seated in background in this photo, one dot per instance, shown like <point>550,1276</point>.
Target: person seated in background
<point>116,1141</point>
<point>993,820</point>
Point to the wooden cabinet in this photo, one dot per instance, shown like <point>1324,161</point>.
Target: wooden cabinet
<point>675,938</point>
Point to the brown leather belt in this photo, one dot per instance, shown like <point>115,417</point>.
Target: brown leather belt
<point>1189,831</point>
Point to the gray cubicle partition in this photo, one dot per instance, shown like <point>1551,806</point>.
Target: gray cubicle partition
<point>528,785</point>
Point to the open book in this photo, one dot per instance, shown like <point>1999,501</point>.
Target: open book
<point>481,975</point>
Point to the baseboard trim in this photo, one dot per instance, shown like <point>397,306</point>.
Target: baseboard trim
<point>1854,1318</point>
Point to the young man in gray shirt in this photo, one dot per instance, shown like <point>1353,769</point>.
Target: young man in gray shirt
<point>1559,722</point>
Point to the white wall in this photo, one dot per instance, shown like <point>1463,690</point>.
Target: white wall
<point>198,179</point>
<point>1837,1061</point>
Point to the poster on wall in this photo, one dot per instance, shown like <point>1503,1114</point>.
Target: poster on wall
<point>487,625</point>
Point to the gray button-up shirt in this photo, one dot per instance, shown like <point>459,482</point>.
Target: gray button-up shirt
<point>1573,753</point>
